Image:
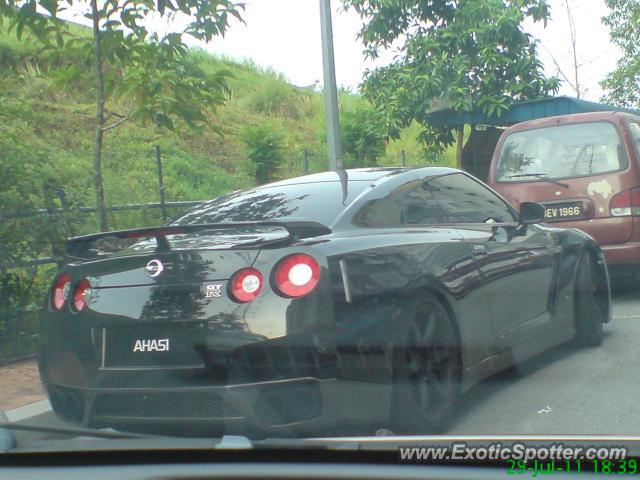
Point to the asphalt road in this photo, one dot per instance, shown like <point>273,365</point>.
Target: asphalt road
<point>568,390</point>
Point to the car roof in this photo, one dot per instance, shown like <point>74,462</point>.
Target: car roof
<point>611,116</point>
<point>377,174</point>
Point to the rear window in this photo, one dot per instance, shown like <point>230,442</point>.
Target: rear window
<point>634,128</point>
<point>318,202</point>
<point>561,152</point>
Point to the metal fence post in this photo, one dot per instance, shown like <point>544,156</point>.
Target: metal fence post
<point>306,161</point>
<point>161,183</point>
<point>403,158</point>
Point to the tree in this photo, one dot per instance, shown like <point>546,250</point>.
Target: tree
<point>623,84</point>
<point>132,64</point>
<point>460,53</point>
<point>364,136</point>
<point>264,145</point>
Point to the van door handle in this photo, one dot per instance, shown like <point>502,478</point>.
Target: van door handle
<point>478,248</point>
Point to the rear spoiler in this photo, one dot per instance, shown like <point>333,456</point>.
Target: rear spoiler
<point>80,247</point>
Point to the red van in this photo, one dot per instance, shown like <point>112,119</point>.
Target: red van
<point>585,170</point>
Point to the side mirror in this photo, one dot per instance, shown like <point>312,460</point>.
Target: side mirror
<point>531,212</point>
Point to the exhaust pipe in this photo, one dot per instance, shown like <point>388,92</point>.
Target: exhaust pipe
<point>271,407</point>
<point>278,406</point>
<point>67,405</point>
<point>304,403</point>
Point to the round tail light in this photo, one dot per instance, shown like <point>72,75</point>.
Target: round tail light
<point>245,285</point>
<point>81,295</point>
<point>60,292</point>
<point>296,275</point>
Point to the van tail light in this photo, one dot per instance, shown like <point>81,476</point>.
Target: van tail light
<point>81,295</point>
<point>625,203</point>
<point>245,285</point>
<point>296,275</point>
<point>60,291</point>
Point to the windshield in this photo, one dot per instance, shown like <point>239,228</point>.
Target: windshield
<point>561,152</point>
<point>279,223</point>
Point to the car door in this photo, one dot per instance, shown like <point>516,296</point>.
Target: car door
<point>515,261</point>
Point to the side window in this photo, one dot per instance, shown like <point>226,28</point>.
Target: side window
<point>468,201</point>
<point>410,204</point>
<point>420,207</point>
<point>634,128</point>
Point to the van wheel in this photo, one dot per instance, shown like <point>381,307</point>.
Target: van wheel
<point>590,303</point>
<point>624,281</point>
<point>426,368</point>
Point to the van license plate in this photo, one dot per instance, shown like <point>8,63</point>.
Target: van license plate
<point>564,211</point>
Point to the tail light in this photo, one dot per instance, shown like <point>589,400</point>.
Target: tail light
<point>60,292</point>
<point>81,295</point>
<point>245,285</point>
<point>625,203</point>
<point>296,275</point>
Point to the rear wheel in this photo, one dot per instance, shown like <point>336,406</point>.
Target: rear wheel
<point>590,303</point>
<point>426,368</point>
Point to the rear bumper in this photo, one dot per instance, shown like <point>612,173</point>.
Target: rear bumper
<point>619,237</point>
<point>622,254</point>
<point>291,407</point>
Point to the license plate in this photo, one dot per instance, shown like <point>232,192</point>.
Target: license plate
<point>147,347</point>
<point>564,211</point>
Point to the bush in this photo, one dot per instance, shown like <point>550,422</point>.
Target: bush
<point>264,145</point>
<point>364,137</point>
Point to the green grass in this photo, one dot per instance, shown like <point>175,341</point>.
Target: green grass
<point>57,125</point>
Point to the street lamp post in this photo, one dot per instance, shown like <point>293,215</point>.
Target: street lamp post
<point>330,90</point>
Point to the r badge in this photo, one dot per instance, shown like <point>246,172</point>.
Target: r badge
<point>213,291</point>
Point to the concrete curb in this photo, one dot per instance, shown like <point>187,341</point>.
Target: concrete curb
<point>5,362</point>
<point>27,411</point>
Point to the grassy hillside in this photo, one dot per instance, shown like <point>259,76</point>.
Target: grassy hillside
<point>58,124</point>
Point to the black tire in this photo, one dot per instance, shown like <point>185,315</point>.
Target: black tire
<point>624,281</point>
<point>590,303</point>
<point>426,368</point>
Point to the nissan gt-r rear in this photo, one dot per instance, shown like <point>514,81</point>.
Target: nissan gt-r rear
<point>352,298</point>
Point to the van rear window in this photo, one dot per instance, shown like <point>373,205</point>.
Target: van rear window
<point>562,151</point>
<point>634,128</point>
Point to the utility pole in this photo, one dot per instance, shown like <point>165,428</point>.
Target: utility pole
<point>330,90</point>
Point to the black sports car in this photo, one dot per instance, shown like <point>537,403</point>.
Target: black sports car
<point>358,297</point>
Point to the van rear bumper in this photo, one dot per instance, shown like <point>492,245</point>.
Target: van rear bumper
<point>622,253</point>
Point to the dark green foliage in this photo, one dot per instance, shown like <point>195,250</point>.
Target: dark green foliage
<point>131,63</point>
<point>364,136</point>
<point>264,146</point>
<point>623,84</point>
